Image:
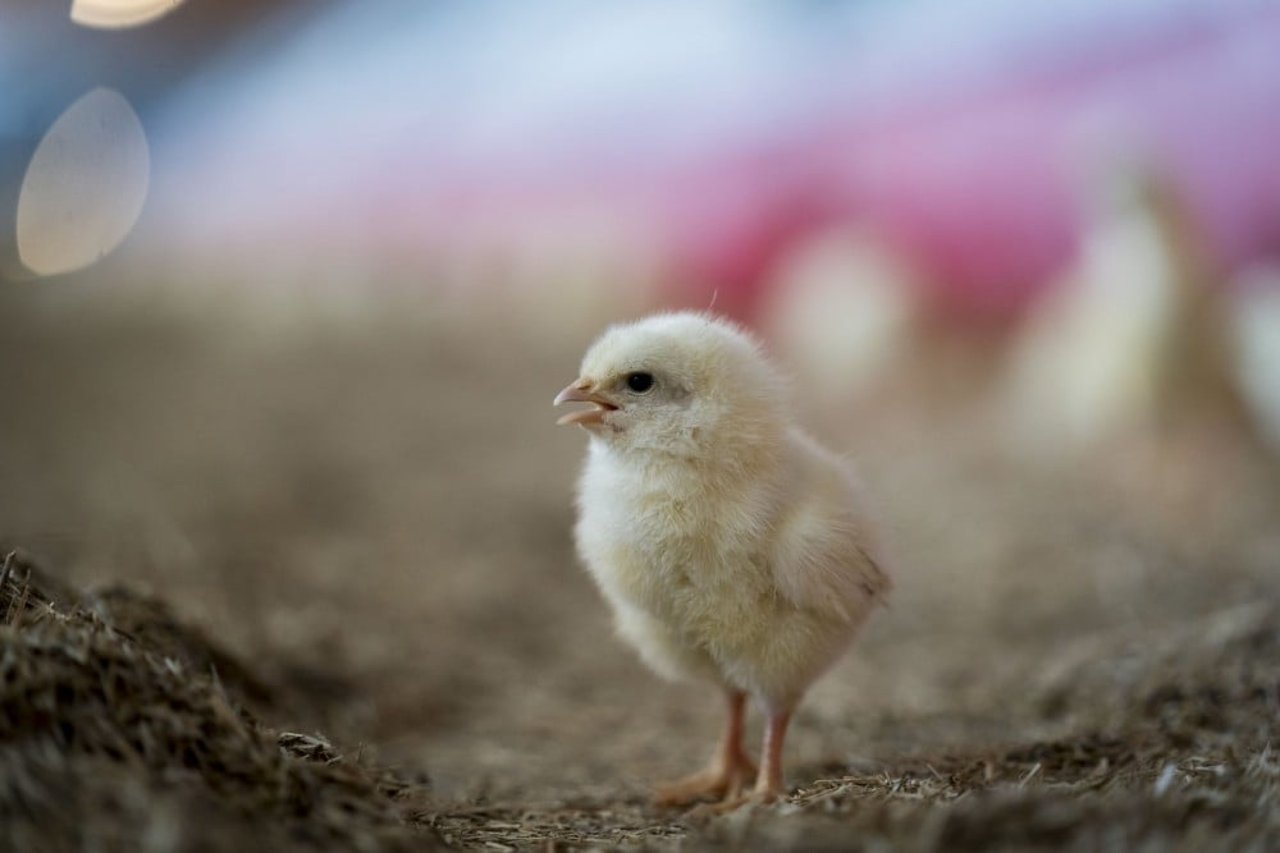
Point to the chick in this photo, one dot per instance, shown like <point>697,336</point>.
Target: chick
<point>731,546</point>
<point>1136,339</point>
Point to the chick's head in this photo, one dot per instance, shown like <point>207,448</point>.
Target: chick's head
<point>680,384</point>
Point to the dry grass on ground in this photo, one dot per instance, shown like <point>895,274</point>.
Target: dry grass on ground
<point>316,590</point>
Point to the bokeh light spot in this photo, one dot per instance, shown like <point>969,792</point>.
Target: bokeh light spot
<point>118,14</point>
<point>85,185</point>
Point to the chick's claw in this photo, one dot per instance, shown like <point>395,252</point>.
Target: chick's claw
<point>722,780</point>
<point>757,798</point>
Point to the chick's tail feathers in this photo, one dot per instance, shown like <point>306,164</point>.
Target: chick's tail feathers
<point>877,583</point>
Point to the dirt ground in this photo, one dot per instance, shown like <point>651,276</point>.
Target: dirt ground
<point>351,616</point>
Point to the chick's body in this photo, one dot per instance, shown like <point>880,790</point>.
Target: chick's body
<point>731,546</point>
<point>756,577</point>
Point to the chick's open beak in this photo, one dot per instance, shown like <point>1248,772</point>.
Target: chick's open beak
<point>581,392</point>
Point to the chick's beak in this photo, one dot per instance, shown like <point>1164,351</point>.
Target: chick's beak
<point>581,392</point>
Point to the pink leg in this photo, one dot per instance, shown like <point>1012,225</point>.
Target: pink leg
<point>730,768</point>
<point>769,784</point>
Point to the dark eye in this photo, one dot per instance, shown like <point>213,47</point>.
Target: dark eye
<point>639,382</point>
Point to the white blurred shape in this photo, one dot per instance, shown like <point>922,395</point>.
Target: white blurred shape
<point>85,185</point>
<point>843,308</point>
<point>1256,318</point>
<point>119,14</point>
<point>1086,365</point>
<point>1133,337</point>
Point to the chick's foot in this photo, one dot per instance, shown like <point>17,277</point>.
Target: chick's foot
<point>722,780</point>
<point>730,804</point>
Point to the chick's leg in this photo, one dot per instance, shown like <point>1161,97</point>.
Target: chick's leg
<point>729,771</point>
<point>769,785</point>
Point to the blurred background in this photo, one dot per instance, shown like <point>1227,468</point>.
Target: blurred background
<point>288,288</point>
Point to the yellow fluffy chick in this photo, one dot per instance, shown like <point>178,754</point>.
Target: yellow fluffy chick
<point>731,546</point>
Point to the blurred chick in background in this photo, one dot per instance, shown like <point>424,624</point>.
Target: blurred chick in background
<point>731,546</point>
<point>1137,338</point>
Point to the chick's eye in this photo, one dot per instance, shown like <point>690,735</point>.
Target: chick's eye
<point>639,382</point>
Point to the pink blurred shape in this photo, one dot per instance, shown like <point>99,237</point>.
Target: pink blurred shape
<point>984,189</point>
<point>970,152</point>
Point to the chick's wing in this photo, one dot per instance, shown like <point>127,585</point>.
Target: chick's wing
<point>825,556</point>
